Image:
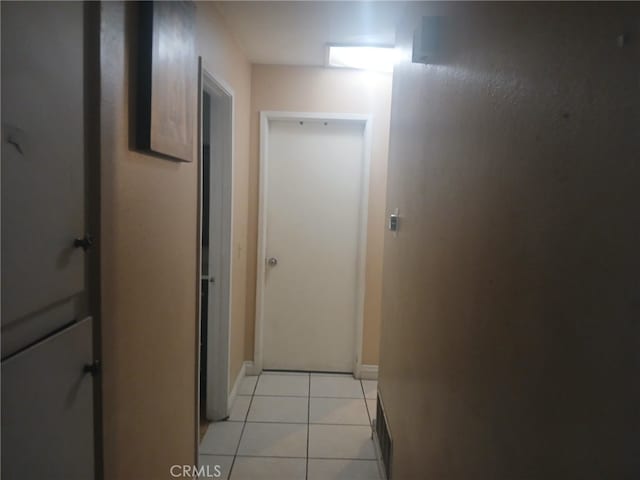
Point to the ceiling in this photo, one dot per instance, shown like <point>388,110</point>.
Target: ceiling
<point>296,33</point>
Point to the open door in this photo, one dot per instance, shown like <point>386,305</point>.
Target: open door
<point>215,276</point>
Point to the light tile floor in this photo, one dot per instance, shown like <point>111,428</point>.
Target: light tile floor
<point>296,426</point>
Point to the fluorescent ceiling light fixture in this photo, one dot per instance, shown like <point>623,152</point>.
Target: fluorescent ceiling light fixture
<point>379,59</point>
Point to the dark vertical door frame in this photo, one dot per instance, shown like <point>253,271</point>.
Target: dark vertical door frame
<point>92,90</point>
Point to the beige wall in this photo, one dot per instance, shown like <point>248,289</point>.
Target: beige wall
<point>308,89</point>
<point>510,299</point>
<point>148,253</point>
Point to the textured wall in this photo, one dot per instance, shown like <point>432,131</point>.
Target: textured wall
<point>510,334</point>
<point>149,271</point>
<point>309,89</point>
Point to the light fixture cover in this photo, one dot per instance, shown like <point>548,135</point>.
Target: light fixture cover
<point>379,59</point>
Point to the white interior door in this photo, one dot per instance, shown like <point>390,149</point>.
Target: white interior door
<point>314,183</point>
<point>217,184</point>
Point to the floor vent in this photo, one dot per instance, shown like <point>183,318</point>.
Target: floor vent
<point>384,438</point>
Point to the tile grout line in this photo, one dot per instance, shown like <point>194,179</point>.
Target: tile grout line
<point>288,457</point>
<point>304,396</point>
<point>274,422</point>
<point>366,404</point>
<point>306,470</point>
<point>244,425</point>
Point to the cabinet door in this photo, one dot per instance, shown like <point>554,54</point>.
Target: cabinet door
<point>47,409</point>
<point>43,150</point>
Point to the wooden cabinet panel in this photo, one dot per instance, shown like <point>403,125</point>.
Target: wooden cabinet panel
<point>43,149</point>
<point>47,409</point>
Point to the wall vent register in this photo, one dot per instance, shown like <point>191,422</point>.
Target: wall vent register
<point>384,438</point>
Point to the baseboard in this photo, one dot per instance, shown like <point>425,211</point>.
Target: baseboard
<point>367,372</point>
<point>248,368</point>
<point>236,384</point>
<point>251,369</point>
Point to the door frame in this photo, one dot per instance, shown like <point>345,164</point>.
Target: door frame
<point>218,325</point>
<point>354,118</point>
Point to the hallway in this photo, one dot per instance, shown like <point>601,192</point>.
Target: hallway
<point>205,204</point>
<point>296,426</point>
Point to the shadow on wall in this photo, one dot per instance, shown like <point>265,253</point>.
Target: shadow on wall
<point>509,294</point>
